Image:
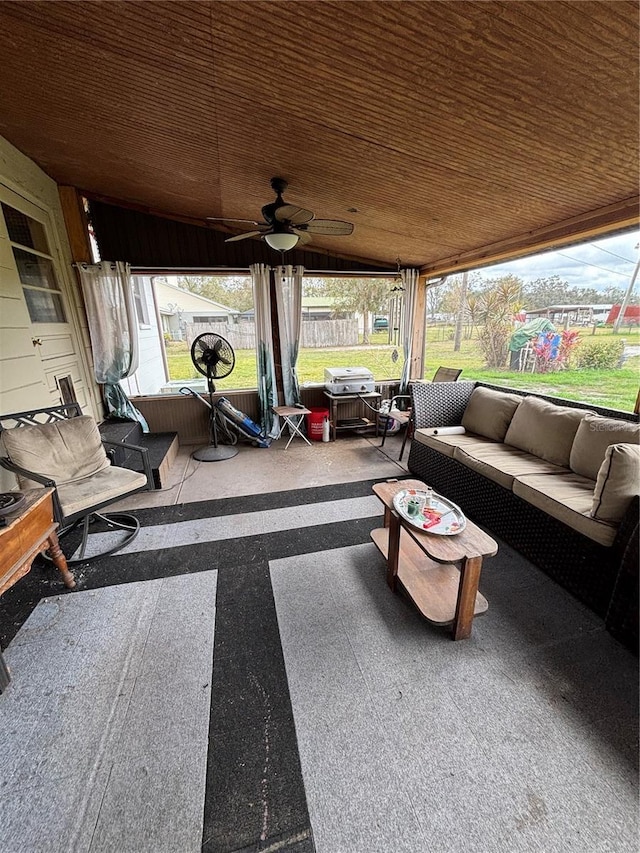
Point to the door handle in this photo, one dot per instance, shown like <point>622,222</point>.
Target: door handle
<point>36,342</point>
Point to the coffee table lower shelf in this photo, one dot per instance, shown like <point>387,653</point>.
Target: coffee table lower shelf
<point>433,587</point>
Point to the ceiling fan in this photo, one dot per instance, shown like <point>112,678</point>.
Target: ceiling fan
<point>286,225</point>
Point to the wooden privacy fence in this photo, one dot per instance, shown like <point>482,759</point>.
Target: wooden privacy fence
<point>315,333</point>
<point>329,333</point>
<point>239,335</point>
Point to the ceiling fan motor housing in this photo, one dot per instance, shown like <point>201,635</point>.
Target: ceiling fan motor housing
<point>278,185</point>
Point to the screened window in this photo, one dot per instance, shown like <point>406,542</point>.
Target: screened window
<point>35,266</point>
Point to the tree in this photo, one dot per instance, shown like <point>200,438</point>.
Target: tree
<point>364,296</point>
<point>492,310</point>
<point>436,299</point>
<point>544,292</point>
<point>232,291</point>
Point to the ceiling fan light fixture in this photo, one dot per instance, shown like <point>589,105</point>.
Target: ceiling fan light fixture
<point>281,242</point>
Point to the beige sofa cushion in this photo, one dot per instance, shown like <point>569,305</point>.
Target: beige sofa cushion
<point>544,429</point>
<point>567,497</point>
<point>502,463</point>
<point>617,483</point>
<point>64,451</point>
<point>489,412</point>
<point>446,444</point>
<point>595,434</point>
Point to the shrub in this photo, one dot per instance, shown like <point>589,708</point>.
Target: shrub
<point>599,355</point>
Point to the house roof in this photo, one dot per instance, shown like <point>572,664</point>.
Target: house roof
<point>171,298</point>
<point>450,133</point>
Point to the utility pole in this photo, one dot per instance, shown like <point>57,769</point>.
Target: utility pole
<point>457,341</point>
<point>627,296</point>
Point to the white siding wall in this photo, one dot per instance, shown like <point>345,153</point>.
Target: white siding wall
<point>23,381</point>
<point>151,374</point>
<point>21,175</point>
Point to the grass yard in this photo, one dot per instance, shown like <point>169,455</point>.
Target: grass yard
<point>615,389</point>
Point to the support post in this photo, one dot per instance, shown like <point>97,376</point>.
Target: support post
<point>75,220</point>
<point>418,332</point>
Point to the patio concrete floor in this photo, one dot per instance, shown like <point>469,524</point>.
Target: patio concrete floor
<point>522,738</point>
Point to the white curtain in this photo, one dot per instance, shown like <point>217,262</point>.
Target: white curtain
<point>410,285</point>
<point>113,328</point>
<point>288,281</point>
<point>267,392</point>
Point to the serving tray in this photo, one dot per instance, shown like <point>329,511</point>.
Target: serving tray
<point>443,517</point>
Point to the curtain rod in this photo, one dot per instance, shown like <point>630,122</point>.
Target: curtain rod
<point>245,271</point>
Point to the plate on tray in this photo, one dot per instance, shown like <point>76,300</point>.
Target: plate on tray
<point>443,517</point>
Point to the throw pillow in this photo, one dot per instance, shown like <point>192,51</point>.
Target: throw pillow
<point>617,483</point>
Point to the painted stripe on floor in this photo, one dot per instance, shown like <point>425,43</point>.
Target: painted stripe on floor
<point>201,530</point>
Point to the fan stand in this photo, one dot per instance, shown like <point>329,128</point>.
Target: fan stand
<point>213,452</point>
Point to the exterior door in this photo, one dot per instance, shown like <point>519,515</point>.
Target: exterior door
<point>39,353</point>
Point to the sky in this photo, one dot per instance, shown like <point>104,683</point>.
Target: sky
<point>597,263</point>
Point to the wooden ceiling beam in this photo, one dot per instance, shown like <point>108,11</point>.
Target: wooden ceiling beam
<point>617,217</point>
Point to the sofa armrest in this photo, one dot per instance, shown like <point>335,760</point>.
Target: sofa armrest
<point>436,404</point>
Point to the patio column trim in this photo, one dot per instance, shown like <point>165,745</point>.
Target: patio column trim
<point>418,331</point>
<point>76,223</point>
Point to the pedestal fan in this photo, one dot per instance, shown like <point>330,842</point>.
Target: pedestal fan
<point>213,356</point>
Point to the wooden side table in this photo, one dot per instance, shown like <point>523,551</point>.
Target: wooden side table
<point>439,573</point>
<point>29,531</point>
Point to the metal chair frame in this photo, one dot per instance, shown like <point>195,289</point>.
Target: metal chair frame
<point>122,521</point>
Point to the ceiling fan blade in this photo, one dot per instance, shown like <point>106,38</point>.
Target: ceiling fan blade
<point>243,236</point>
<point>294,215</point>
<point>303,237</point>
<point>332,227</point>
<point>227,219</point>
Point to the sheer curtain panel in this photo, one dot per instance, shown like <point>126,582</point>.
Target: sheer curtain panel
<point>288,282</point>
<point>113,329</point>
<point>267,392</point>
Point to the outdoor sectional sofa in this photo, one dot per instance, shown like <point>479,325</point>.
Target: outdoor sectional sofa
<point>555,479</point>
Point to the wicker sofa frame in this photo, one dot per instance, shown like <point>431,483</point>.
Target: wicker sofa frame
<point>605,579</point>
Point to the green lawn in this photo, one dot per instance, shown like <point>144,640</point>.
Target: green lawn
<point>616,389</point>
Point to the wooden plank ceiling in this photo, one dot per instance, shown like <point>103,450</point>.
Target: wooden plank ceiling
<point>448,132</point>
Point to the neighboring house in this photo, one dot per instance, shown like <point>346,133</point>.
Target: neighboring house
<point>322,308</point>
<point>152,372</point>
<point>179,308</point>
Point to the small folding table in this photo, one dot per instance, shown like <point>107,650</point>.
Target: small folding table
<point>292,417</point>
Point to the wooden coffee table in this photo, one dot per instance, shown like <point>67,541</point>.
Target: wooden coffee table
<point>440,574</point>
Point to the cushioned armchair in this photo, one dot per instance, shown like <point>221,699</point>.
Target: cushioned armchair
<point>68,454</point>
